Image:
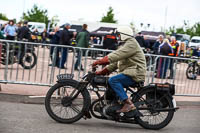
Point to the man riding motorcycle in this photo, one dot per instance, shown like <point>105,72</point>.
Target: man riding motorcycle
<point>130,61</point>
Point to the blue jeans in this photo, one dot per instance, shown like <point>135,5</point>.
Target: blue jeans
<point>118,83</point>
<point>55,59</point>
<point>64,55</point>
<point>78,61</point>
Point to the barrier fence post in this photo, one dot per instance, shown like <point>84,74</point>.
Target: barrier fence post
<point>154,68</point>
<point>85,63</point>
<point>149,67</point>
<point>7,59</point>
<point>54,58</point>
<point>73,60</point>
<point>80,53</point>
<point>0,59</point>
<point>0,53</point>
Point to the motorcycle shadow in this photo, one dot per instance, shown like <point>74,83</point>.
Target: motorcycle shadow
<point>107,125</point>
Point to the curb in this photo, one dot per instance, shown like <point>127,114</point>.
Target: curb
<point>20,99</point>
<point>40,100</point>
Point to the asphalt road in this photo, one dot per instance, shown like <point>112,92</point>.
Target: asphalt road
<point>32,118</point>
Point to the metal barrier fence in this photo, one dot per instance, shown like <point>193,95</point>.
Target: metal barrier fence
<point>183,72</point>
<point>38,64</point>
<point>43,73</point>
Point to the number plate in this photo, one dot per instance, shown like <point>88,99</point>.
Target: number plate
<point>65,76</point>
<point>174,102</point>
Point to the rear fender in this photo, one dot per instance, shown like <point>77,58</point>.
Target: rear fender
<point>160,90</point>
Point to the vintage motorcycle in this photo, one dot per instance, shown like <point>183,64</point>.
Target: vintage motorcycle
<point>69,100</point>
<point>18,53</point>
<point>193,69</point>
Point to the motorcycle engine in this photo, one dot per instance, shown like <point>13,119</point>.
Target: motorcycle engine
<point>109,111</point>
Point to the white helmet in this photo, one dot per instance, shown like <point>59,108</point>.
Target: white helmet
<point>125,32</point>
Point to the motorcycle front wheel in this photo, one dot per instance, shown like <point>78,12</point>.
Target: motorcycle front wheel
<point>59,106</point>
<point>28,60</point>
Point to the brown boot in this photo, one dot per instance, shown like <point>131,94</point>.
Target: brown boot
<point>128,106</point>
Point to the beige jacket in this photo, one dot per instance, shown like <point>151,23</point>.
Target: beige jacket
<point>129,60</point>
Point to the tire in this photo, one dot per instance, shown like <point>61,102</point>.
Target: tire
<point>31,59</point>
<point>165,101</point>
<point>59,87</point>
<point>190,74</point>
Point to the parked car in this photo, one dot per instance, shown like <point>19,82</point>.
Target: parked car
<point>183,38</point>
<point>195,42</point>
<point>36,25</point>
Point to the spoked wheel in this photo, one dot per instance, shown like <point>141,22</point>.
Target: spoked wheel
<point>59,105</point>
<point>153,119</point>
<point>28,60</point>
<point>191,73</point>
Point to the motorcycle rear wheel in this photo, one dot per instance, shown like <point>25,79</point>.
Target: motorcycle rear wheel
<point>152,119</point>
<point>190,74</point>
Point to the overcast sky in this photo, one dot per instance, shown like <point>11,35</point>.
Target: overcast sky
<point>126,11</point>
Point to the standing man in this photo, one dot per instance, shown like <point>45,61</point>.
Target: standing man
<point>10,30</point>
<point>140,40</point>
<point>82,39</point>
<point>44,37</point>
<point>24,32</point>
<point>65,41</point>
<point>175,46</point>
<point>110,42</point>
<point>164,49</point>
<point>157,44</point>
<point>55,37</point>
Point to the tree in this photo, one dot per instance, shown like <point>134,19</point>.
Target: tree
<point>186,29</point>
<point>3,17</point>
<point>196,29</point>
<point>36,15</point>
<point>180,30</point>
<point>171,30</point>
<point>54,21</point>
<point>109,18</point>
<point>133,27</point>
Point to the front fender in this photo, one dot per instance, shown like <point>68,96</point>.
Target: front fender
<point>75,82</point>
<point>66,80</point>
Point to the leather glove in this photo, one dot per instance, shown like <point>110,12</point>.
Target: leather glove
<point>104,71</point>
<point>103,61</point>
